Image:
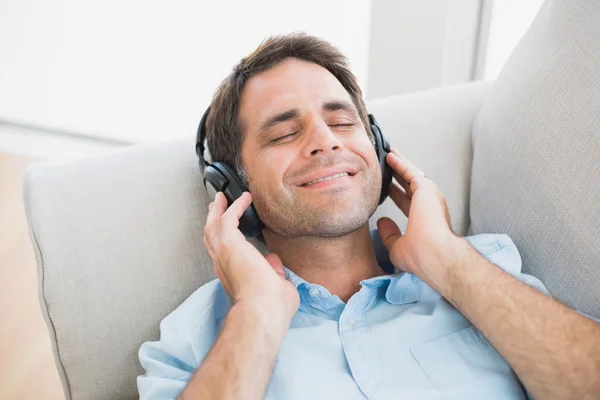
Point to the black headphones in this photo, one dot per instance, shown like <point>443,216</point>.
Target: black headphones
<point>220,177</point>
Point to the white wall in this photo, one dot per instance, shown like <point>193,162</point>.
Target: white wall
<point>134,70</point>
<point>509,21</point>
<point>420,44</point>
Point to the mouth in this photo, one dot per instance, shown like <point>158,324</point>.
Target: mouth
<point>328,178</point>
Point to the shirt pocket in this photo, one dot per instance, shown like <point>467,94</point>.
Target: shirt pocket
<point>463,365</point>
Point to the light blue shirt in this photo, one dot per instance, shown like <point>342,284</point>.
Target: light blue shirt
<point>395,338</point>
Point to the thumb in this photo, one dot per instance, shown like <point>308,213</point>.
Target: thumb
<point>276,263</point>
<point>388,231</point>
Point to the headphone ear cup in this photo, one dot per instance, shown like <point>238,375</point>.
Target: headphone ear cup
<point>382,148</point>
<point>220,177</point>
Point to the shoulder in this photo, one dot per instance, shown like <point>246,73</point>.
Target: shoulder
<point>207,306</point>
<point>500,250</point>
<point>186,336</point>
<point>187,333</point>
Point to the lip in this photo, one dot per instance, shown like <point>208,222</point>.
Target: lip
<point>324,173</point>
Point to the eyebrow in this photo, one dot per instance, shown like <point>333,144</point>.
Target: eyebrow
<point>334,105</point>
<point>279,118</point>
<point>337,105</point>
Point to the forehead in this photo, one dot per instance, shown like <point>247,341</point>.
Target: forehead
<point>291,84</point>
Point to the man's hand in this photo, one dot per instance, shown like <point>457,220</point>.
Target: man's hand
<point>241,361</point>
<point>428,237</point>
<point>250,280</point>
<point>554,350</point>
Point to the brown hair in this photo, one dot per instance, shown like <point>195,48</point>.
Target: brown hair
<point>225,131</point>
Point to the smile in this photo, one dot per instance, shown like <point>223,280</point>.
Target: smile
<point>327,178</point>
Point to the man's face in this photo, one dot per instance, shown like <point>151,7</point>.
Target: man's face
<point>302,126</point>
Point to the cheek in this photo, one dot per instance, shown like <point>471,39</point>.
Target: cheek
<point>365,149</point>
<point>269,170</point>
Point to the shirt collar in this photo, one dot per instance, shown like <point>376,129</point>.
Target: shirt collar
<point>293,278</point>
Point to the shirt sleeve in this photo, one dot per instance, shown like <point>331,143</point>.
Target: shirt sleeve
<point>500,250</point>
<point>186,336</point>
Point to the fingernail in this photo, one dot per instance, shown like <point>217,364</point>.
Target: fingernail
<point>210,204</point>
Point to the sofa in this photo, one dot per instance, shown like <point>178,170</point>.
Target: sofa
<point>118,238</point>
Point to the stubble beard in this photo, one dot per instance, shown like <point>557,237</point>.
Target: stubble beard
<point>289,217</point>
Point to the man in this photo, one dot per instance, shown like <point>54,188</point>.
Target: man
<point>338,321</point>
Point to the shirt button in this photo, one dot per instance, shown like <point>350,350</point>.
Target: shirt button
<point>373,382</point>
<point>313,293</point>
<point>353,322</point>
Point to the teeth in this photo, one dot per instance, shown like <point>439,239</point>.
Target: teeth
<point>327,178</point>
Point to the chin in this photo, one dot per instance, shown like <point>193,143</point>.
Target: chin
<point>337,214</point>
<point>339,228</point>
<point>334,222</point>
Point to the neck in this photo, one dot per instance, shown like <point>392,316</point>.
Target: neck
<point>338,264</point>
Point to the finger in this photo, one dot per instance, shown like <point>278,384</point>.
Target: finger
<point>276,263</point>
<point>403,184</point>
<point>236,210</point>
<point>400,198</point>
<point>399,178</point>
<point>403,168</point>
<point>212,227</point>
<point>220,202</point>
<point>401,156</point>
<point>216,208</point>
<point>388,231</point>
<point>407,170</point>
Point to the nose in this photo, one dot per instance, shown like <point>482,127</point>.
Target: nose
<point>321,140</point>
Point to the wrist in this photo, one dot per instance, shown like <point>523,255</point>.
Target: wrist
<point>441,266</point>
<point>455,265</point>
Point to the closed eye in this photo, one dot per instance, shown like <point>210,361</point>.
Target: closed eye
<point>277,139</point>
<point>341,125</point>
<point>282,137</point>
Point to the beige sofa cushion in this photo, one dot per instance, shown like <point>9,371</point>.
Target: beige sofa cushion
<point>536,166</point>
